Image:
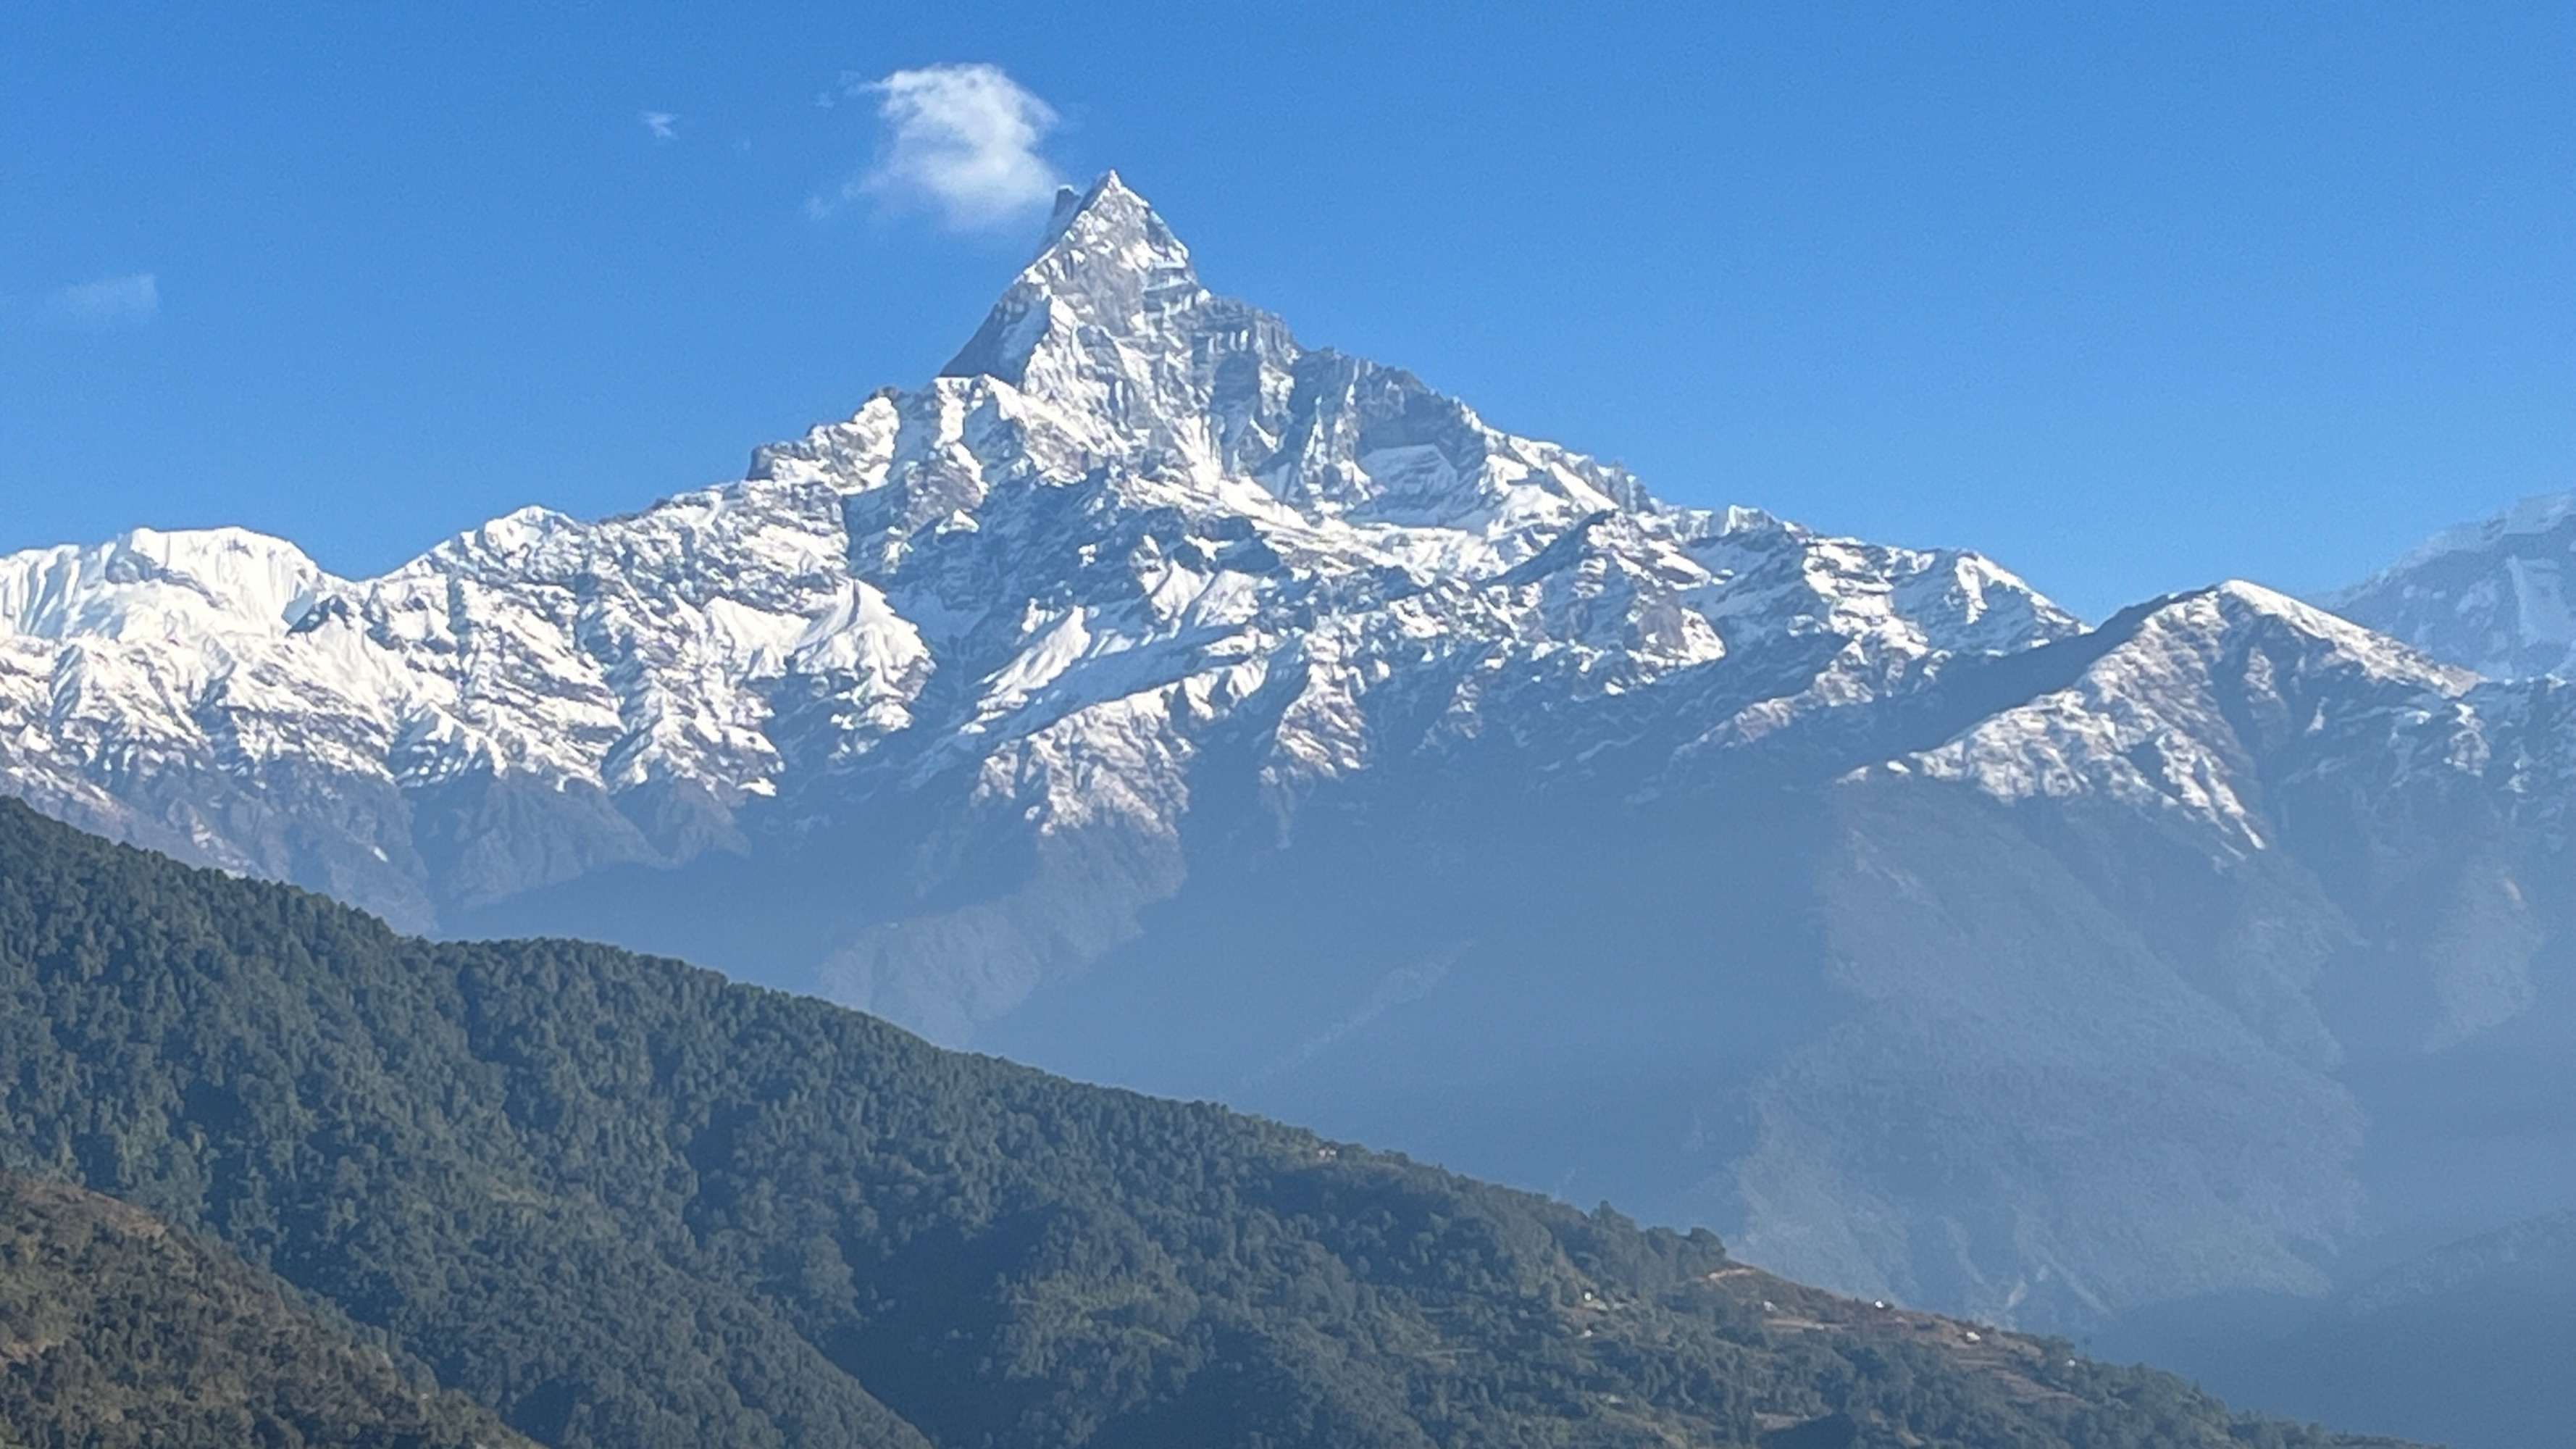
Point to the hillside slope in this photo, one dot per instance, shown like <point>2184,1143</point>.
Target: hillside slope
<point>629,1204</point>
<point>118,1333</point>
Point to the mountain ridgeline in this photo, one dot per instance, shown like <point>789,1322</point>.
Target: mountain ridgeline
<point>2498,595</point>
<point>1154,697</point>
<point>627,1203</point>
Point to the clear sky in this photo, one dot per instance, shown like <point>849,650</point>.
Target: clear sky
<point>2131,297</point>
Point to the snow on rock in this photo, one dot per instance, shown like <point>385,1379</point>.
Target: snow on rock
<point>2175,716</point>
<point>151,586</point>
<point>2498,596</point>
<point>1129,513</point>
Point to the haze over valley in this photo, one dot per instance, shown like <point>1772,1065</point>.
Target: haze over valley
<point>1157,699</point>
<point>1854,819</point>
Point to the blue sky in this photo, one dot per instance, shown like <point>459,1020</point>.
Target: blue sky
<point>2130,297</point>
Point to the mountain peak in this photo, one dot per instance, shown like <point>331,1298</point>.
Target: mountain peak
<point>1109,265</point>
<point>154,583</point>
<point>2529,518</point>
<point>2497,596</point>
<point>1105,241</point>
<point>1108,201</point>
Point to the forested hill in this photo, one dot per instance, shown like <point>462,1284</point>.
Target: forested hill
<point>628,1204</point>
<point>118,1333</point>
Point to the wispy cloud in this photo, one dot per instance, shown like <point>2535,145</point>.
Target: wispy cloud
<point>109,301</point>
<point>962,140</point>
<point>663,125</point>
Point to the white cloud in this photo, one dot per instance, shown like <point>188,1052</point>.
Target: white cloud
<point>662,124</point>
<point>109,300</point>
<point>963,140</point>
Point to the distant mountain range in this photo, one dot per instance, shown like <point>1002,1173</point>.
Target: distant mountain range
<point>628,1205</point>
<point>1155,698</point>
<point>2498,597</point>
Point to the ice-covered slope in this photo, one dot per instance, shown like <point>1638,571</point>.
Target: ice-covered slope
<point>2498,596</point>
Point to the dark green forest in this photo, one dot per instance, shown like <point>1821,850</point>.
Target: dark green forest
<point>117,1332</point>
<point>626,1203</point>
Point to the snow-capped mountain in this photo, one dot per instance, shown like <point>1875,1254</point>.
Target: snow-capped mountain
<point>2288,871</point>
<point>2180,717</point>
<point>1160,699</point>
<point>2497,596</point>
<point>1130,510</point>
